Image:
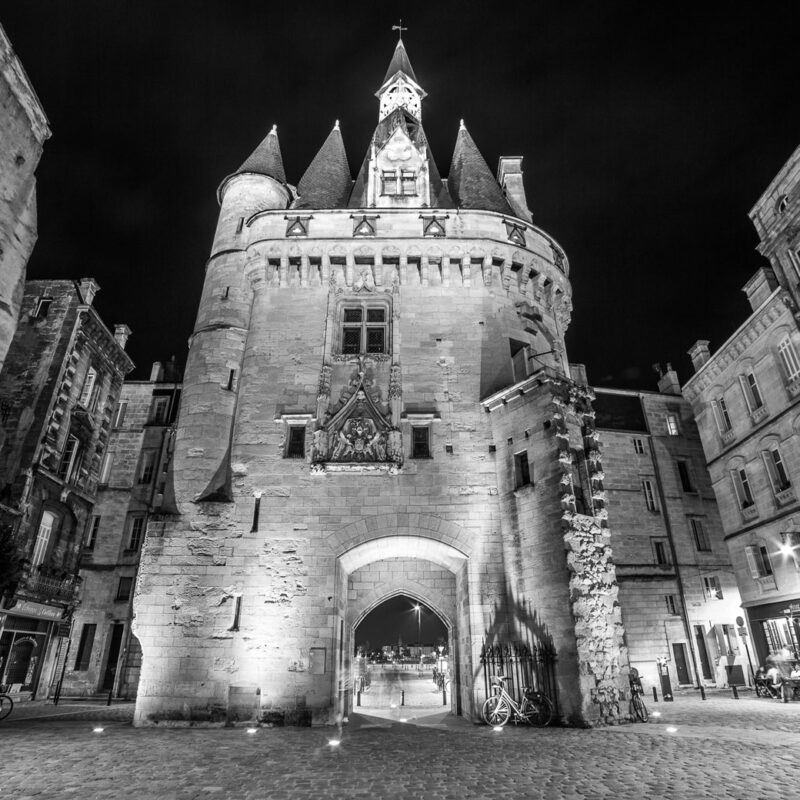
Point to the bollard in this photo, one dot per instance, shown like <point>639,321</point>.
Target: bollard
<point>358,698</point>
<point>735,691</point>
<point>108,702</point>
<point>655,695</point>
<point>403,697</point>
<point>784,693</point>
<point>702,693</point>
<point>444,695</point>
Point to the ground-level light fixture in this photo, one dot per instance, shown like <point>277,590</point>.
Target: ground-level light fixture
<point>498,728</point>
<point>97,729</point>
<point>672,729</point>
<point>252,730</point>
<point>334,742</point>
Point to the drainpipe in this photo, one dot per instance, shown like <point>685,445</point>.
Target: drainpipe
<point>673,551</point>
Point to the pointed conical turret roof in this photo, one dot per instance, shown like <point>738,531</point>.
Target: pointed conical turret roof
<point>266,158</point>
<point>400,63</point>
<point>327,181</point>
<point>471,183</point>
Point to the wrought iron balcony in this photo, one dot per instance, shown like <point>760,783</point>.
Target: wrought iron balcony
<point>48,587</point>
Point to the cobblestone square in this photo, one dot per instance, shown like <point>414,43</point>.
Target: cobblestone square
<point>718,748</point>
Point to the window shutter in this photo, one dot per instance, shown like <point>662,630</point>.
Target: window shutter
<point>719,635</point>
<point>734,640</point>
<point>752,560</point>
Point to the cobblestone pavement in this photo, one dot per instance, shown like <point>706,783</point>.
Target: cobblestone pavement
<point>720,748</point>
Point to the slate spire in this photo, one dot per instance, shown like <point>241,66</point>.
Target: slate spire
<point>471,183</point>
<point>400,63</point>
<point>266,158</point>
<point>327,181</point>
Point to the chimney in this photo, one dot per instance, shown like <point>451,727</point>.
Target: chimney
<point>578,373</point>
<point>509,176</point>
<point>760,286</point>
<point>121,334</point>
<point>89,287</point>
<point>668,383</point>
<point>157,372</point>
<point>699,353</point>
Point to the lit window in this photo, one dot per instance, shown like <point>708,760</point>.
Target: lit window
<point>751,392</point>
<point>408,182</point>
<point>758,561</point>
<point>638,447</point>
<point>46,525</point>
<point>364,329</point>
<point>791,363</point>
<point>672,425</point>
<point>721,416</point>
<point>389,182</point>
<point>522,470</point>
<point>420,442</point>
<point>711,587</point>
<point>649,495</point>
<point>778,477</point>
<point>699,533</point>
<point>399,182</point>
<point>741,486</point>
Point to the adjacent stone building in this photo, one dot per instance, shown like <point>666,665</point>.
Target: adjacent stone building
<point>104,656</point>
<point>746,399</point>
<point>23,132</point>
<point>677,588</point>
<point>378,372</point>
<point>61,381</point>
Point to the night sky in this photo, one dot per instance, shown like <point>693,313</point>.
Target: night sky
<point>397,617</point>
<point>648,134</point>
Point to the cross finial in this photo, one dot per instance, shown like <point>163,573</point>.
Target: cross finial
<point>399,28</point>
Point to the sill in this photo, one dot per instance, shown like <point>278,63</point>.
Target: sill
<point>793,388</point>
<point>523,488</point>
<point>766,583</point>
<point>758,414</point>
<point>785,496</point>
<point>727,436</point>
<point>750,512</point>
<point>130,552</point>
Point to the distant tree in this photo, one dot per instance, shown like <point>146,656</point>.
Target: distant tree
<point>10,562</point>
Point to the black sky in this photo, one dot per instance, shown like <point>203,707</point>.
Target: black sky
<point>397,618</point>
<point>648,133</point>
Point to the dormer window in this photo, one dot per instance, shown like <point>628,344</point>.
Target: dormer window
<point>401,182</point>
<point>389,182</point>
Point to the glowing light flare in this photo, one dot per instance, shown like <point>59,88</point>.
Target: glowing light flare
<point>252,730</point>
<point>656,714</point>
<point>98,729</point>
<point>498,728</point>
<point>334,742</point>
<point>671,729</point>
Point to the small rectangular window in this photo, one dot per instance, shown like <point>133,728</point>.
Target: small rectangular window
<point>124,589</point>
<point>522,470</point>
<point>389,182</point>
<point>649,495</point>
<point>136,533</point>
<point>42,307</point>
<point>685,476</point>
<point>741,487</point>
<point>231,382</point>
<point>712,589</point>
<point>758,561</point>
<point>420,442</point>
<point>237,612</point>
<point>672,606</point>
<point>638,447</point>
<point>159,409</point>
<point>119,414</point>
<point>91,531</point>
<point>297,442</point>
<point>408,182</point>
<point>148,466</point>
<point>791,363</point>
<point>70,460</point>
<point>85,644</point>
<point>699,533</point>
<point>672,425</point>
<point>364,330</point>
<point>240,225</point>
<point>519,359</point>
<point>661,552</point>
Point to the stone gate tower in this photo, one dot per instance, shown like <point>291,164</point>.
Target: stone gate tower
<point>377,396</point>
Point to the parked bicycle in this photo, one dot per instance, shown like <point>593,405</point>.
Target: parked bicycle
<point>638,710</point>
<point>6,703</point>
<point>535,708</point>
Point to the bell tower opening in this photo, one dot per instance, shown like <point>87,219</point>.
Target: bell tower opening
<point>402,664</point>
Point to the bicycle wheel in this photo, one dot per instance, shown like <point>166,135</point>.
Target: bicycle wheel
<point>496,711</point>
<point>537,710</point>
<point>639,708</point>
<point>6,704</point>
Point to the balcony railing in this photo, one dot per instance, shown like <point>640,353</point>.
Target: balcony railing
<point>49,587</point>
<point>750,512</point>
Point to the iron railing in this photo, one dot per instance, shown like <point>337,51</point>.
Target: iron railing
<point>523,665</point>
<point>63,589</point>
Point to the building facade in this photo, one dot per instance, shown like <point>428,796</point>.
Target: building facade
<point>61,381</point>
<point>23,132</point>
<point>677,587</point>
<point>103,656</point>
<point>746,400</point>
<point>377,375</point>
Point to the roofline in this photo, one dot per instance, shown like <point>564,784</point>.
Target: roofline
<point>229,178</point>
<point>422,92</point>
<point>779,177</point>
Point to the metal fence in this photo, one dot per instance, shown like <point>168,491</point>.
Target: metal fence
<point>523,665</point>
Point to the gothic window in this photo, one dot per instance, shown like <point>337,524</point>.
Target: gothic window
<point>420,441</point>
<point>364,328</point>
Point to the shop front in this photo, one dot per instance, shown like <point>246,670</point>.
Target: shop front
<point>776,629</point>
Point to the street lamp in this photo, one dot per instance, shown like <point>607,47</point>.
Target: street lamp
<point>418,609</point>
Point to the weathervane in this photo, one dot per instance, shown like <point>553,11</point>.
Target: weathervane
<point>399,28</point>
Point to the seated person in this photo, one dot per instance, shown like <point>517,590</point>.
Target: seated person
<point>795,673</point>
<point>774,679</point>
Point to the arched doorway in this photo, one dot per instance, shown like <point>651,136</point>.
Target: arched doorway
<point>423,571</point>
<point>401,660</point>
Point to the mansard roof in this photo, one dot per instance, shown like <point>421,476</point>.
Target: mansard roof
<point>399,63</point>
<point>327,181</point>
<point>471,182</point>
<point>266,158</point>
<point>400,118</point>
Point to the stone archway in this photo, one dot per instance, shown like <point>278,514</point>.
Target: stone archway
<point>416,565</point>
